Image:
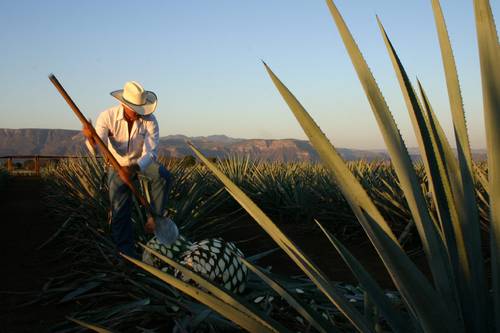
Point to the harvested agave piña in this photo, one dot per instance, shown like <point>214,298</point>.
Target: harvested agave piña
<point>214,259</point>
<point>173,251</point>
<point>218,260</point>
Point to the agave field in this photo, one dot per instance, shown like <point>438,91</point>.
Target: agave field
<point>293,193</point>
<point>447,207</point>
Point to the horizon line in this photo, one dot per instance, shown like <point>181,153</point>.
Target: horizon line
<point>237,138</point>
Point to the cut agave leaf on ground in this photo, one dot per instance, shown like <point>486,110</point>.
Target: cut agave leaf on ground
<point>95,328</point>
<point>316,320</point>
<point>209,300</point>
<point>304,263</point>
<point>394,318</point>
<point>415,289</point>
<point>221,293</point>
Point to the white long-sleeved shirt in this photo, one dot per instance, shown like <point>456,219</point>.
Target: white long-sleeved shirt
<point>140,147</point>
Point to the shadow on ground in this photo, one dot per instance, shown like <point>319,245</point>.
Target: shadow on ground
<point>25,225</point>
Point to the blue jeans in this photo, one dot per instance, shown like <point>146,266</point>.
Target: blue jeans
<point>120,196</point>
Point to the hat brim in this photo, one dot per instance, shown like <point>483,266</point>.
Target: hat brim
<point>144,109</point>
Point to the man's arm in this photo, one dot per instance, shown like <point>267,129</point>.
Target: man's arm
<point>101,129</point>
<point>151,141</point>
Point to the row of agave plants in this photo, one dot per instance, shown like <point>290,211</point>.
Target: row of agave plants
<point>458,295</point>
<point>291,193</point>
<point>77,195</point>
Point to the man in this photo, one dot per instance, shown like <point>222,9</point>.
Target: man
<point>131,133</point>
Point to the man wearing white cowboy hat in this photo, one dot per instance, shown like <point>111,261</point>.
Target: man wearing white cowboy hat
<point>131,132</point>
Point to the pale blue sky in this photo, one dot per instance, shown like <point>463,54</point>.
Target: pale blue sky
<point>202,58</point>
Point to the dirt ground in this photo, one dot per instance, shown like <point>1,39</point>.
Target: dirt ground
<point>26,224</point>
<point>313,242</point>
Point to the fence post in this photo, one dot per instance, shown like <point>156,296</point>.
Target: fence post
<point>37,165</point>
<point>10,165</point>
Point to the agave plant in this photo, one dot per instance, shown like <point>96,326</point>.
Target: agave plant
<point>455,297</point>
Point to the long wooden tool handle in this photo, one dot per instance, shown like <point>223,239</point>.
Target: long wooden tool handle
<point>102,146</point>
<point>104,149</point>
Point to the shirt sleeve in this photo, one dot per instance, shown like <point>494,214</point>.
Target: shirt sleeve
<point>102,129</point>
<point>151,141</point>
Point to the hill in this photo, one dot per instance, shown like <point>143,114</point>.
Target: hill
<point>35,141</point>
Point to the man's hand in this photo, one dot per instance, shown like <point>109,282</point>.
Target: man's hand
<point>150,225</point>
<point>127,173</point>
<point>87,133</point>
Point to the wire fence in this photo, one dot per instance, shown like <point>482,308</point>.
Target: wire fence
<point>31,164</point>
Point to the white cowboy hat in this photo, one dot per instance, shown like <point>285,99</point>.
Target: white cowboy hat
<point>133,95</point>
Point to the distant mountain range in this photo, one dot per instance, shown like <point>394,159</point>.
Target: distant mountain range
<point>34,141</point>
